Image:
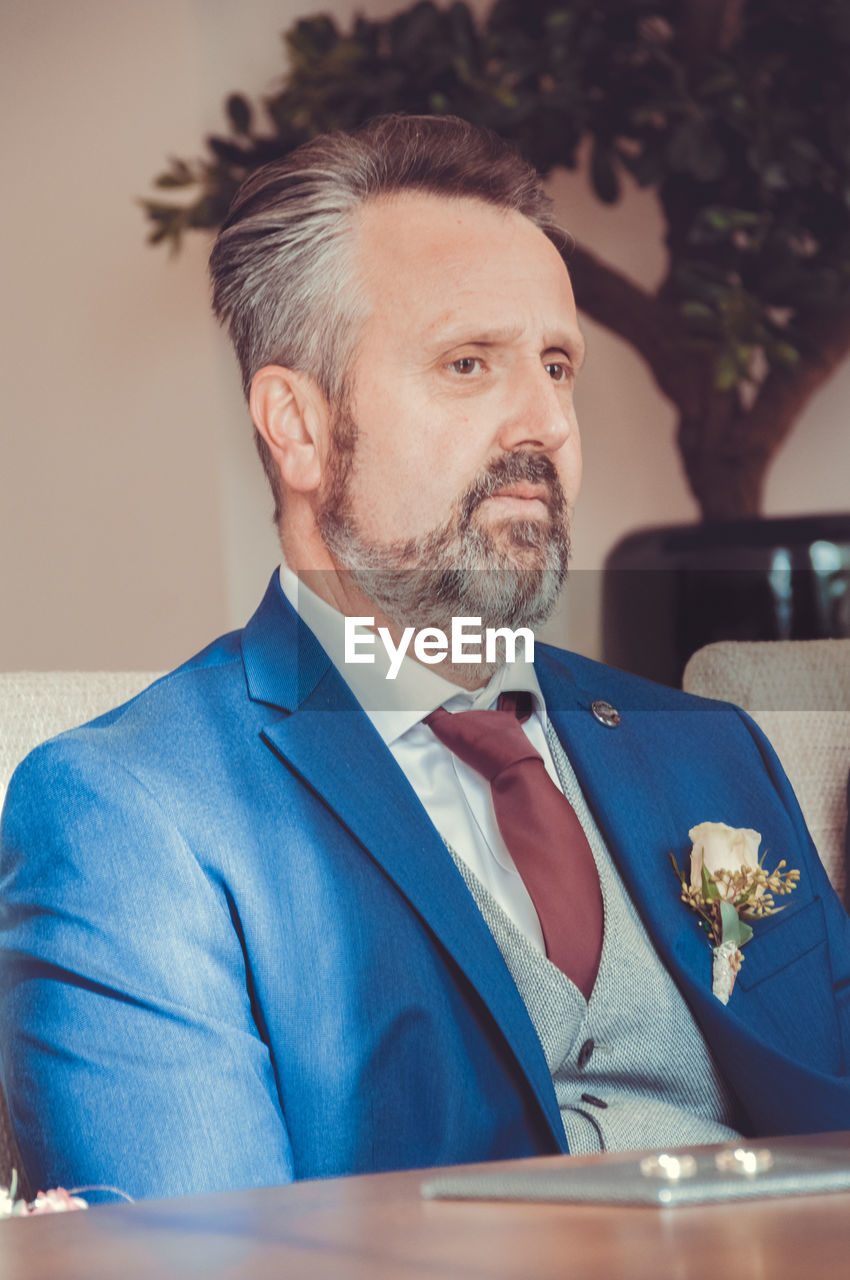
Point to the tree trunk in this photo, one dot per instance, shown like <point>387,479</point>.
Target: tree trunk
<point>726,448</point>
<point>724,464</point>
<point>727,482</point>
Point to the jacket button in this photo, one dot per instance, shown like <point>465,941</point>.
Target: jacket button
<point>584,1054</point>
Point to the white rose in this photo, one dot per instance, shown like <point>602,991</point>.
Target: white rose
<point>720,848</point>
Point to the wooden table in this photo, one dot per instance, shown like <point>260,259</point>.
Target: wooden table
<point>378,1228</point>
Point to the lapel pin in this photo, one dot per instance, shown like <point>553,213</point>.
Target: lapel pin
<point>605,713</point>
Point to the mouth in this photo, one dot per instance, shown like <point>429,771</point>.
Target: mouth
<point>524,499</point>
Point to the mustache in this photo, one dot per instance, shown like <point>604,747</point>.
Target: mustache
<point>510,469</point>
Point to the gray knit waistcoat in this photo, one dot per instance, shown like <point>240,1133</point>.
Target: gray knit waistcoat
<point>630,1067</point>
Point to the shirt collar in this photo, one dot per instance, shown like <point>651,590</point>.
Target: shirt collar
<point>395,706</point>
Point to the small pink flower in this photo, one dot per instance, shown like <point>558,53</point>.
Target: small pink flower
<point>55,1201</point>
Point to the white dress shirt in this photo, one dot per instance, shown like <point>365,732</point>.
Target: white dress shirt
<point>456,798</point>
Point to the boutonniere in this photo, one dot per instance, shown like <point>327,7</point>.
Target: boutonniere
<point>56,1201</point>
<point>728,887</point>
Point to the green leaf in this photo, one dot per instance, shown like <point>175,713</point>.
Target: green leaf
<point>167,180</point>
<point>730,925</point>
<point>786,354</point>
<point>709,888</point>
<point>680,876</point>
<point>310,38</point>
<point>726,371</point>
<point>694,149</point>
<point>696,311</point>
<point>733,928</point>
<point>229,153</point>
<point>415,31</point>
<point>239,111</point>
<point>718,219</point>
<point>464,36</point>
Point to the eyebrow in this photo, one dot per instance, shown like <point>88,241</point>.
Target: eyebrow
<point>577,350</point>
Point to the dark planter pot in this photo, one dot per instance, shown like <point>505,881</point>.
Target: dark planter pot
<point>669,591</point>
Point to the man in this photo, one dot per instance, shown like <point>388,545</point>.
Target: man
<point>278,917</point>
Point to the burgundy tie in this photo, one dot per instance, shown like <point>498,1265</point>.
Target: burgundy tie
<point>539,827</point>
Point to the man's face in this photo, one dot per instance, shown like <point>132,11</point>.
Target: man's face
<point>458,457</point>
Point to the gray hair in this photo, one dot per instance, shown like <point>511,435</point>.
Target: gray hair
<point>282,267</point>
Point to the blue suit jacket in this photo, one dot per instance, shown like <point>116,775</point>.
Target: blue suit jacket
<point>237,952</point>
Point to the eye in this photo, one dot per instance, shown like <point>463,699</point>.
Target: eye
<point>466,365</point>
<point>557,370</point>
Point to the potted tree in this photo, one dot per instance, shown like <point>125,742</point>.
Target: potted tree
<point>736,112</point>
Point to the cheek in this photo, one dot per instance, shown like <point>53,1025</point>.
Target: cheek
<point>421,461</point>
<point>578,471</point>
<point>569,465</point>
<point>400,493</point>
<point>415,457</point>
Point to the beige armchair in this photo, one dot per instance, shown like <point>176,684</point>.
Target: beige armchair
<point>798,691</point>
<point>34,706</point>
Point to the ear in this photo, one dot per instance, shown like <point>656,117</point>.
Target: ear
<point>293,416</point>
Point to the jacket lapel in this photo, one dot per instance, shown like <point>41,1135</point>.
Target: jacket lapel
<point>343,759</point>
<point>635,817</point>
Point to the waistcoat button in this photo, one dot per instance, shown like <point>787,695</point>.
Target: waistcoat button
<point>594,1102</point>
<point>584,1054</point>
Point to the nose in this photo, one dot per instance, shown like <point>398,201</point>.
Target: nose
<point>540,413</point>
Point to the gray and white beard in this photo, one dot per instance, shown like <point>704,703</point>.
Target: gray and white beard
<point>508,578</point>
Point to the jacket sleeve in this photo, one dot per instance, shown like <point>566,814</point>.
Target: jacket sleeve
<point>130,1056</point>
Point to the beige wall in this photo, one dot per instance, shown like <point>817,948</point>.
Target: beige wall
<point>133,516</point>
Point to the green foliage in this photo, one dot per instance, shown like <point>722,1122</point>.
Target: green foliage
<point>732,928</point>
<point>709,888</point>
<point>746,139</point>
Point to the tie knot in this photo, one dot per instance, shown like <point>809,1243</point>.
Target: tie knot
<point>488,741</point>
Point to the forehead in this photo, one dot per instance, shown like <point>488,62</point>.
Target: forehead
<point>430,266</point>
